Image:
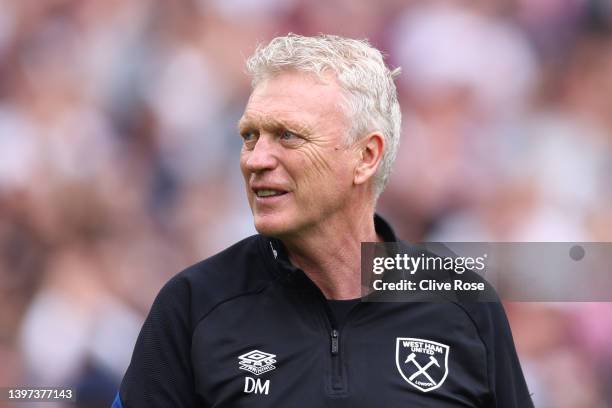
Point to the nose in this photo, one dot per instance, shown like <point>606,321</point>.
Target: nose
<point>262,157</point>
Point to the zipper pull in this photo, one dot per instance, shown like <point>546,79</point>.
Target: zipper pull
<point>334,342</point>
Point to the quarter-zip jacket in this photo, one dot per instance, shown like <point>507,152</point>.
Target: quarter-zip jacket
<point>245,328</point>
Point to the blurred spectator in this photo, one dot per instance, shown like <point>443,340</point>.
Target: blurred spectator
<point>119,160</point>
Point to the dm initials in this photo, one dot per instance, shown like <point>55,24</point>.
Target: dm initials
<point>255,386</point>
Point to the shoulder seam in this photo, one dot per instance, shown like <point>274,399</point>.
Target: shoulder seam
<point>229,299</point>
<point>486,347</point>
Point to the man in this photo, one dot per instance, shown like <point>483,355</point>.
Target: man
<point>276,320</point>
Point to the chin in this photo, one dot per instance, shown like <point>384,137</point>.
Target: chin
<point>271,225</point>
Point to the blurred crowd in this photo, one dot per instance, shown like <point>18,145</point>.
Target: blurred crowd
<point>119,160</point>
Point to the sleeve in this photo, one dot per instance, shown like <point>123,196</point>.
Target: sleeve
<point>160,373</point>
<point>506,379</point>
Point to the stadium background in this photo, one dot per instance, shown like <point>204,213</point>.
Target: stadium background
<point>119,160</point>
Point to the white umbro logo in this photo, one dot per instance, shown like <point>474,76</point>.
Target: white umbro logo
<point>257,362</point>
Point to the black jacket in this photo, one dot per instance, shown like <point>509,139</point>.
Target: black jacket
<point>245,328</point>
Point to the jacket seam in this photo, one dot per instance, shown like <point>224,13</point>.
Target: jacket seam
<point>229,299</point>
<point>256,291</point>
<point>484,343</point>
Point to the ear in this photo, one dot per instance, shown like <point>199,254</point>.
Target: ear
<point>370,151</point>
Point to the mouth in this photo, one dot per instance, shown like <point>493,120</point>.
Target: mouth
<point>264,193</point>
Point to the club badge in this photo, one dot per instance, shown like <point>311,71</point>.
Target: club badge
<point>422,363</point>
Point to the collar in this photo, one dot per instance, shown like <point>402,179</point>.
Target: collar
<point>277,252</point>
<point>383,229</point>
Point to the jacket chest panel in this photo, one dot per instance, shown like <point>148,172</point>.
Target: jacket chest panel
<point>267,355</point>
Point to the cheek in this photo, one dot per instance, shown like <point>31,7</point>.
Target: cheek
<point>243,167</point>
<point>319,162</point>
<point>243,159</point>
<point>327,175</point>
<point>246,176</point>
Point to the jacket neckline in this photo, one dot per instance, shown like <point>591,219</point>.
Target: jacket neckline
<point>277,257</point>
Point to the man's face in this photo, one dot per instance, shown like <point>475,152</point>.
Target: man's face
<point>296,165</point>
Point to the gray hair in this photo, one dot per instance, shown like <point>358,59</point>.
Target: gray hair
<point>370,95</point>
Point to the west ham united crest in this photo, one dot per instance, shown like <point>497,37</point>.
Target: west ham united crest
<point>422,363</point>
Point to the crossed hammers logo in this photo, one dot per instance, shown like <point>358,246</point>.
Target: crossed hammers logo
<point>422,370</point>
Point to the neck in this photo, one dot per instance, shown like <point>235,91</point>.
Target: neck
<point>330,254</point>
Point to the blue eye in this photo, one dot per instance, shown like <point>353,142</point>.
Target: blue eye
<point>287,135</point>
<point>246,136</point>
<point>249,139</point>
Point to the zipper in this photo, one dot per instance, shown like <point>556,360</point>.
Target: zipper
<point>335,342</point>
<point>337,383</point>
<point>338,380</point>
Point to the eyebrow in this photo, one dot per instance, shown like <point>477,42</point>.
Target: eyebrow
<point>272,124</point>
